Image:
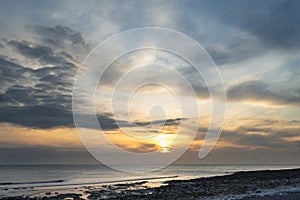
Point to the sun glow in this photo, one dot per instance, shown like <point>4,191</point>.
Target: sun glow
<point>164,141</point>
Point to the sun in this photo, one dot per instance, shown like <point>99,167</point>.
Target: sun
<point>164,142</point>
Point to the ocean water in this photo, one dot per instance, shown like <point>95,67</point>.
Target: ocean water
<point>35,179</point>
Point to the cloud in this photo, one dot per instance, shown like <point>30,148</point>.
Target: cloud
<point>9,73</point>
<point>47,116</point>
<point>275,23</point>
<point>261,92</point>
<point>141,148</point>
<point>42,45</point>
<point>43,92</point>
<point>26,86</point>
<point>44,55</point>
<point>235,31</point>
<point>107,122</point>
<point>167,122</point>
<point>260,139</point>
<point>57,35</point>
<point>252,133</point>
<point>180,73</point>
<point>41,116</point>
<point>61,37</point>
<point>235,49</point>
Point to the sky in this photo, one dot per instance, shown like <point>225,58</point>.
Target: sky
<point>254,44</point>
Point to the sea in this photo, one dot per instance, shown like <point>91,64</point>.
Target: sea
<point>17,180</point>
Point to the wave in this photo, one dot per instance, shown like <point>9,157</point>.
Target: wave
<point>29,183</point>
<point>61,183</point>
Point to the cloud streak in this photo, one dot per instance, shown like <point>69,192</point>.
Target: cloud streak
<point>260,92</point>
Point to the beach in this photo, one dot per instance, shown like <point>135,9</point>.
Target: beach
<point>264,184</point>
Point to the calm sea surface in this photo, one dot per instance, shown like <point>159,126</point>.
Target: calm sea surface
<point>17,179</point>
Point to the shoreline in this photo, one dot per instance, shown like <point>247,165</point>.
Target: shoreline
<point>247,185</point>
<point>62,183</point>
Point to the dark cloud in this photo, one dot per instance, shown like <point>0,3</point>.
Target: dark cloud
<point>255,129</point>
<point>25,86</point>
<point>237,30</point>
<point>65,54</point>
<point>264,133</point>
<point>7,66</point>
<point>14,75</point>
<point>259,133</point>
<point>43,116</point>
<point>201,91</point>
<point>167,122</point>
<point>262,122</point>
<point>64,38</point>
<point>274,22</point>
<point>20,95</point>
<point>142,148</point>
<point>48,116</point>
<point>41,97</point>
<point>43,54</point>
<point>254,140</point>
<point>8,71</point>
<point>36,98</point>
<point>294,122</point>
<point>275,139</point>
<point>235,50</point>
<point>57,35</point>
<point>107,122</point>
<point>261,92</point>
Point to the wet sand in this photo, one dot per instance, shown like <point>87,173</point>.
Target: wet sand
<point>264,185</point>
